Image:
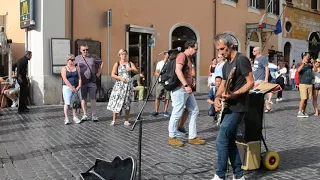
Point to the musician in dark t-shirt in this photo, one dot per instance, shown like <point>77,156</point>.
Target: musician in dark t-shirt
<point>236,98</point>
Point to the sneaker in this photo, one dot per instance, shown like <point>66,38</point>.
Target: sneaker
<point>166,114</point>
<point>196,141</point>
<point>175,142</point>
<point>270,102</point>
<point>242,178</point>
<point>182,129</point>
<point>180,134</point>
<point>155,114</point>
<point>66,120</point>
<point>216,177</point>
<point>126,123</point>
<point>278,99</point>
<point>301,114</point>
<point>112,123</point>
<point>94,118</point>
<point>84,117</point>
<point>305,114</point>
<point>14,104</point>
<point>76,120</point>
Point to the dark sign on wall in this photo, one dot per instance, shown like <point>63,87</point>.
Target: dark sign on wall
<point>27,14</point>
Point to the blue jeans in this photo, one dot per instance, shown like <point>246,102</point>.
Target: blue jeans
<point>293,83</point>
<point>226,145</point>
<point>181,100</point>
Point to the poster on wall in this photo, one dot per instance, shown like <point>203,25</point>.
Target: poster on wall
<point>60,47</point>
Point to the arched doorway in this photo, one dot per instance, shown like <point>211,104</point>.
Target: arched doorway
<point>235,40</point>
<point>254,42</point>
<point>181,33</point>
<point>314,45</point>
<point>286,52</point>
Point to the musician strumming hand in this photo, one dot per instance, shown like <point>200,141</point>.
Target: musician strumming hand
<point>236,98</point>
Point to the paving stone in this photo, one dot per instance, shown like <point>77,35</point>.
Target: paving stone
<point>38,145</point>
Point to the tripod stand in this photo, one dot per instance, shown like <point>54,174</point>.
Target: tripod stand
<point>139,119</point>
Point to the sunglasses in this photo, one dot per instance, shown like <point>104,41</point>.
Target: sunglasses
<point>84,50</point>
<point>71,59</point>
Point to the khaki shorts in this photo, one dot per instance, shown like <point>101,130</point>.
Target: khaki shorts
<point>305,91</point>
<point>160,90</point>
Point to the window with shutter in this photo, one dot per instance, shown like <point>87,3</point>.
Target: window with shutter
<point>261,4</point>
<point>314,4</point>
<point>254,3</point>
<point>274,7</point>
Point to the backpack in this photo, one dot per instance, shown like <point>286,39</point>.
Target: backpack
<point>75,101</point>
<point>168,77</point>
<point>296,78</point>
<point>269,77</point>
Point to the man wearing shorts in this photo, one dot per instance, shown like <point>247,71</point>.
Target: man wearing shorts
<point>305,86</point>
<point>90,67</point>
<point>160,90</point>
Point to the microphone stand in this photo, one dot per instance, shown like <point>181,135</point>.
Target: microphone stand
<point>139,119</point>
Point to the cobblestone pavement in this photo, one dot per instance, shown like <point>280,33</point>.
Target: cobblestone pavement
<point>39,146</point>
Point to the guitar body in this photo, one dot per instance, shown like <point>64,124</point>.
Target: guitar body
<point>224,105</point>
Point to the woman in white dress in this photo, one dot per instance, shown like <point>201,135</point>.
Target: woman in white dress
<point>120,97</point>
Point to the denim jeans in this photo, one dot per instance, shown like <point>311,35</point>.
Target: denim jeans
<point>293,83</point>
<point>181,100</point>
<point>226,145</point>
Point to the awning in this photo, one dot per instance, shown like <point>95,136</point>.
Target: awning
<point>266,29</point>
<point>140,29</point>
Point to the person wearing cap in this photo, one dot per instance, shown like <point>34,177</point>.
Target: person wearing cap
<point>71,84</point>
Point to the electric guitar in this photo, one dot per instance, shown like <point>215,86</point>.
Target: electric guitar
<point>224,104</point>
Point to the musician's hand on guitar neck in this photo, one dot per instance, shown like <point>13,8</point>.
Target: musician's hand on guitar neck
<point>217,104</point>
<point>228,95</point>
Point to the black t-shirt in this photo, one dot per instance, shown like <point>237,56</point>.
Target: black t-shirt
<point>243,66</point>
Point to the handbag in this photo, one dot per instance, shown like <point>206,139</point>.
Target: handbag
<point>211,111</point>
<point>316,86</point>
<point>96,77</point>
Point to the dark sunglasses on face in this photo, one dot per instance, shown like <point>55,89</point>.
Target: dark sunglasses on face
<point>84,50</point>
<point>71,59</point>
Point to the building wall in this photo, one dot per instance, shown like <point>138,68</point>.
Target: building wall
<point>90,22</point>
<point>304,21</point>
<point>12,28</point>
<point>234,19</point>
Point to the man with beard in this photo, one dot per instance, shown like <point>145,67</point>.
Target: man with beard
<point>236,98</point>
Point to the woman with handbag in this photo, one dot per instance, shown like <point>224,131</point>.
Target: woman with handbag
<point>120,98</point>
<point>316,86</point>
<point>280,75</point>
<point>71,84</point>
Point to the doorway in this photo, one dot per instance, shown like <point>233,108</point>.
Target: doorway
<point>180,36</point>
<point>139,54</point>
<point>286,52</point>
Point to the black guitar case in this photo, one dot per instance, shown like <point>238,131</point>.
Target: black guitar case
<point>118,169</point>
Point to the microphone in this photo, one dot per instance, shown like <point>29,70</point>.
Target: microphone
<point>171,50</point>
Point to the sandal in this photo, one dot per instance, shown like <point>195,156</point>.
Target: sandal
<point>267,110</point>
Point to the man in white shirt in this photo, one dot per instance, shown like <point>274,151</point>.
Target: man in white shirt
<point>160,90</point>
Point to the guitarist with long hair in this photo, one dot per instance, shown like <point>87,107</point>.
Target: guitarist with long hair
<point>236,97</point>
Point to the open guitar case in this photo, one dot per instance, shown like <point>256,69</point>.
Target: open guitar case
<point>118,169</point>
